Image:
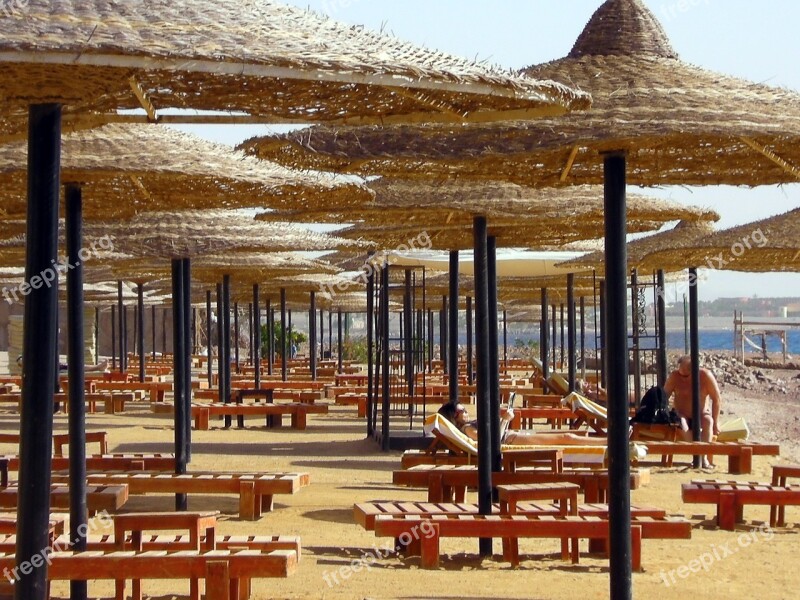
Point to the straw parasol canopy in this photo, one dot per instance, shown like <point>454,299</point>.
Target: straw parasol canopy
<point>126,169</point>
<point>682,235</point>
<point>680,124</point>
<point>770,244</point>
<point>408,201</point>
<point>275,62</point>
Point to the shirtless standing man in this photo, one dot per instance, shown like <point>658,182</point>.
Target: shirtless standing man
<point>679,383</point>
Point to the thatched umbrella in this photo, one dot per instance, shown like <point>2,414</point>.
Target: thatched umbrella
<point>683,235</point>
<point>275,62</point>
<point>99,56</point>
<point>674,124</point>
<point>768,245</point>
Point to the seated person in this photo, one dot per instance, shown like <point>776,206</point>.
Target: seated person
<point>457,414</point>
<point>593,391</point>
<point>679,384</point>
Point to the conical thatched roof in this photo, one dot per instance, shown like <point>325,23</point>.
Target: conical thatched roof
<point>126,169</point>
<point>409,201</point>
<point>771,244</point>
<point>680,124</point>
<point>275,62</point>
<point>683,234</point>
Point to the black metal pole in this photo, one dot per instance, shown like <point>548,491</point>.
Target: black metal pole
<point>270,337</point>
<point>635,354</point>
<point>408,336</point>
<point>470,372</point>
<point>236,335</point>
<point>661,360</point>
<point>562,328</point>
<point>430,341</point>
<point>571,337</point>
<point>256,344</point>
<point>452,357</point>
<point>554,339</point>
<point>226,345</point>
<point>40,339</point>
<point>494,355</point>
<point>312,335</point>
<point>505,340</point>
<point>209,350</point>
<point>188,318</point>
<point>339,339</point>
<point>125,336</point>
<point>483,375</point>
<point>164,312</point>
<point>250,332</point>
<point>140,330</point>
<point>121,316</point>
<point>443,334</point>
<point>694,349</point>
<point>384,327</point>
<point>78,515</point>
<point>370,349</point>
<point>113,338</point>
<point>583,334</point>
<point>603,330</point>
<point>544,335</point>
<point>321,334</point>
<point>96,334</point>
<point>330,332</point>
<point>284,362</point>
<point>220,355</point>
<point>178,341</point>
<point>153,328</point>
<point>617,377</point>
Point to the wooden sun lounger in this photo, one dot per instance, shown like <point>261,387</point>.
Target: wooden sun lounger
<point>731,497</point>
<point>780,477</point>
<point>740,454</point>
<point>227,573</point>
<point>255,490</point>
<point>425,532</point>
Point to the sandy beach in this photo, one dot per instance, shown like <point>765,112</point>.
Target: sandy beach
<point>346,468</point>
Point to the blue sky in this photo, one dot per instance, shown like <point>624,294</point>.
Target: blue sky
<point>756,41</point>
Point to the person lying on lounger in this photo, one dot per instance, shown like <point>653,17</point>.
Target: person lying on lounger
<point>457,414</point>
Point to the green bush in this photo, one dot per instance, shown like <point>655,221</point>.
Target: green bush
<point>298,337</point>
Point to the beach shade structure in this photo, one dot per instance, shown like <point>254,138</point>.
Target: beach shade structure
<point>98,57</point>
<point>441,215</point>
<point>684,235</point>
<point>655,119</point>
<point>767,245</point>
<point>261,61</point>
<point>125,170</point>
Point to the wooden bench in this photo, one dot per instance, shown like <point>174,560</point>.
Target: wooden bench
<point>449,483</point>
<point>155,390</point>
<point>524,417</point>
<point>423,533</point>
<point>92,437</point>
<point>110,462</point>
<point>740,454</point>
<point>199,525</point>
<point>731,497</point>
<point>364,513</point>
<point>227,573</point>
<point>113,401</point>
<point>202,413</point>
<point>780,477</point>
<point>255,491</point>
<point>173,542</point>
<point>99,497</point>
